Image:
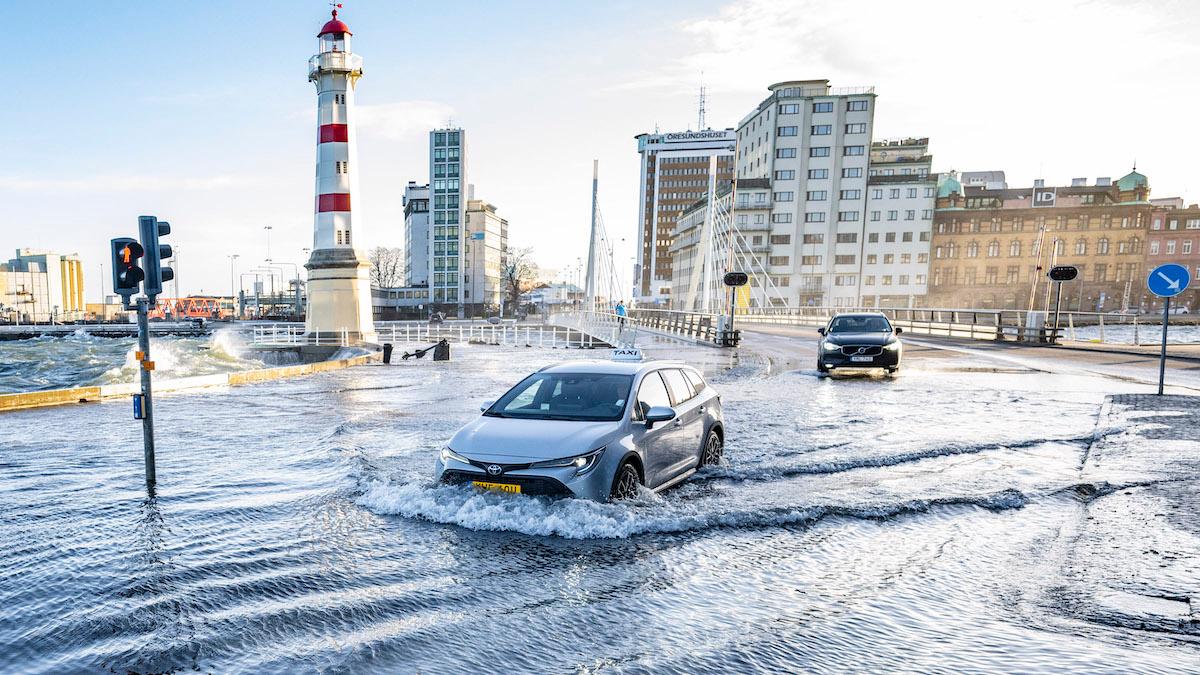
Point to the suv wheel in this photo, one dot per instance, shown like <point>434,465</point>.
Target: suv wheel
<point>713,449</point>
<point>625,483</point>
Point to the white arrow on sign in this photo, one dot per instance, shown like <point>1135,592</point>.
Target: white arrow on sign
<point>1172,284</point>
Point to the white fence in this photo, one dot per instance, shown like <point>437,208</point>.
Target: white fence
<point>420,332</point>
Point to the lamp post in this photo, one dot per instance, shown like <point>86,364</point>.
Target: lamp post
<point>268,228</point>
<point>233,290</point>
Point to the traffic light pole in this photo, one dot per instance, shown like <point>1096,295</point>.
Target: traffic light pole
<point>146,365</point>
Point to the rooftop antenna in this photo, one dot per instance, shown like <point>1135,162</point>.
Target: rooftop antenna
<point>701,127</point>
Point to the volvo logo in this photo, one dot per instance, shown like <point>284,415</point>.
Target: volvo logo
<point>495,469</point>
<point>862,350</point>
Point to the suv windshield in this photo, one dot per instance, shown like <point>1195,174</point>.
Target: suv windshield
<point>584,397</point>
<point>859,324</point>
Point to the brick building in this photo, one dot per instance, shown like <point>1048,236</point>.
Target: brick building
<point>992,245</point>
<point>1174,237</point>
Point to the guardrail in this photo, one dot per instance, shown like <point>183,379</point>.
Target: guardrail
<point>973,324</point>
<point>687,326</point>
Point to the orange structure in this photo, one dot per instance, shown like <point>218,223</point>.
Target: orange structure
<point>192,307</point>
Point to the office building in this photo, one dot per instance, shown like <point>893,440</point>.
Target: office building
<point>416,234</point>
<point>448,204</point>
<point>900,202</point>
<point>485,245</point>
<point>992,248</point>
<point>675,171</point>
<point>812,143</point>
<point>41,286</point>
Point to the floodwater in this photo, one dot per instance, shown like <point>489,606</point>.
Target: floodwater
<point>908,523</point>
<point>80,360</point>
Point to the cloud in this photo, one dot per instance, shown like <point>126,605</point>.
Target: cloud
<point>122,183</point>
<point>401,120</point>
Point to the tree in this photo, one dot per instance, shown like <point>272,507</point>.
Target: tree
<point>387,267</point>
<point>518,274</point>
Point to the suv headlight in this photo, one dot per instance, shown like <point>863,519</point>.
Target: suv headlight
<point>582,463</point>
<point>892,346</point>
<point>830,346</point>
<point>448,454</point>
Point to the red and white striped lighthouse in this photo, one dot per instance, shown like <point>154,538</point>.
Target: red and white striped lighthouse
<point>339,285</point>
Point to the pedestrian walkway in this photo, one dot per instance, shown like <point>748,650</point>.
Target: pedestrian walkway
<point>1191,351</point>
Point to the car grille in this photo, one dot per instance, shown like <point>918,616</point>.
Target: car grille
<point>530,485</point>
<point>868,350</point>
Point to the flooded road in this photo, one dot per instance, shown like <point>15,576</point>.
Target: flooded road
<point>908,523</point>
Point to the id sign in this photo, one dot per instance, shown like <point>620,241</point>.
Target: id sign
<point>626,354</point>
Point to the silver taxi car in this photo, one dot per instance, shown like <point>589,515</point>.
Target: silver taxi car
<point>592,429</point>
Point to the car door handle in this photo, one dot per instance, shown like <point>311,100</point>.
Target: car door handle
<point>700,410</point>
<point>678,422</point>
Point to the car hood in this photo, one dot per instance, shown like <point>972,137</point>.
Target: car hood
<point>498,438</point>
<point>860,338</point>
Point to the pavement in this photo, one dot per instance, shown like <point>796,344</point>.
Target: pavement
<point>1134,552</point>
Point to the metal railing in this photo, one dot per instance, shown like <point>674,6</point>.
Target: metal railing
<point>976,324</point>
<point>422,332</point>
<point>685,326</point>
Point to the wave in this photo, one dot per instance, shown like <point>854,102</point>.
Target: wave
<point>583,519</point>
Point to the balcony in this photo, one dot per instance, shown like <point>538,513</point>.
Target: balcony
<point>334,62</point>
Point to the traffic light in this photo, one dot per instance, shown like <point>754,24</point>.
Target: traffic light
<point>156,275</point>
<point>127,276</point>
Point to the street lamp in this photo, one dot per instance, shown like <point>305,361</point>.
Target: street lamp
<point>233,291</point>
<point>268,228</point>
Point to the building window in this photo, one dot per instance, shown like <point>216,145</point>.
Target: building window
<point>844,259</point>
<point>1171,247</point>
<point>787,174</point>
<point>814,195</point>
<point>787,131</point>
<point>889,258</point>
<point>818,238</point>
<point>818,152</point>
<point>854,172</point>
<point>993,249</point>
<point>876,193</point>
<point>872,258</point>
<point>854,150</point>
<point>869,280</point>
<point>1187,247</point>
<point>928,192</point>
<point>818,174</point>
<point>912,193</point>
<point>780,239</point>
<point>856,106</point>
<point>887,280</point>
<point>789,108</point>
<point>857,128</point>
<point>785,153</point>
<point>810,260</point>
<point>872,237</point>
<point>1102,246</point>
<point>784,196</point>
<point>822,106</point>
<point>821,129</point>
<point>847,216</point>
<point>851,194</point>
<point>1193,224</point>
<point>1014,248</point>
<point>892,215</point>
<point>1080,247</point>
<point>874,216</point>
<point>927,214</point>
<point>781,217</point>
<point>847,238</point>
<point>908,236</point>
<point>910,214</point>
<point>905,258</point>
<point>779,260</point>
<point>1156,224</point>
<point>818,217</point>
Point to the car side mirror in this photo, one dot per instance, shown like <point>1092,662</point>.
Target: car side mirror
<point>899,330</point>
<point>483,407</point>
<point>659,413</point>
<point>821,330</point>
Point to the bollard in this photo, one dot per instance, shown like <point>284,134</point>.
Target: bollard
<point>387,352</point>
<point>441,351</point>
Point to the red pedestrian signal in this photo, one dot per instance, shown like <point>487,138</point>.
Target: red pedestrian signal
<point>127,275</point>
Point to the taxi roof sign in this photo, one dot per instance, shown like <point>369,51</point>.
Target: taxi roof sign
<point>626,354</point>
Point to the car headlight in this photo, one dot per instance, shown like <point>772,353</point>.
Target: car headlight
<point>892,346</point>
<point>448,454</point>
<point>582,463</point>
<point>831,346</point>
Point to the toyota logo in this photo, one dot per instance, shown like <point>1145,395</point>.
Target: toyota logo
<point>495,469</point>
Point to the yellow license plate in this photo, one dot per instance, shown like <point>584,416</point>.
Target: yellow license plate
<point>496,487</point>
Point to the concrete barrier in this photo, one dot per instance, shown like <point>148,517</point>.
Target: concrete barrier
<point>40,399</point>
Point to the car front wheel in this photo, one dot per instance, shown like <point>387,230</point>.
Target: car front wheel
<point>625,483</point>
<point>713,449</point>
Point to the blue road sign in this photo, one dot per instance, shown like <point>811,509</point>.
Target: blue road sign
<point>1167,281</point>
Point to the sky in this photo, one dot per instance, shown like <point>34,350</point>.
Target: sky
<point>201,113</point>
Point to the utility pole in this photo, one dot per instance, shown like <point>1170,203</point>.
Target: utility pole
<point>268,228</point>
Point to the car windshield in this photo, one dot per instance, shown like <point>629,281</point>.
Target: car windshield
<point>859,324</point>
<point>583,397</point>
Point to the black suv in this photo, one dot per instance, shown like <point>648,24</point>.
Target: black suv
<point>861,340</point>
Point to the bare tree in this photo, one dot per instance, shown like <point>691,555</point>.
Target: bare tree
<point>518,274</point>
<point>387,267</point>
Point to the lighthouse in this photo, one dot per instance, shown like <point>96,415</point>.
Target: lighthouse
<point>339,281</point>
